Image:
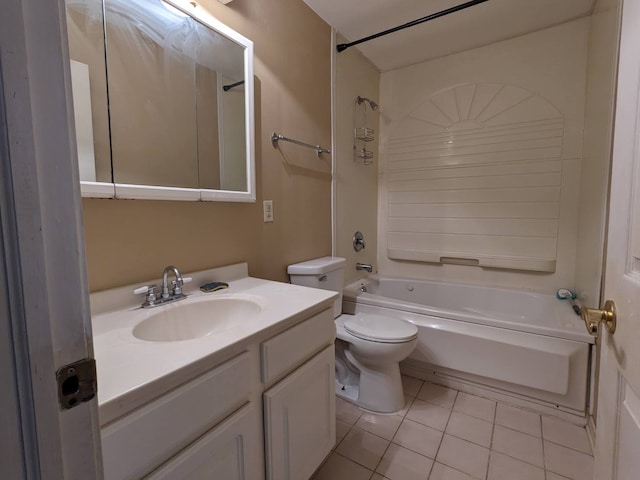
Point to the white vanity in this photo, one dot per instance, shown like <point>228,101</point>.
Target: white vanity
<point>252,400</point>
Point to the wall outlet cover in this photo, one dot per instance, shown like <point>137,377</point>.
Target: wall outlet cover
<point>267,210</point>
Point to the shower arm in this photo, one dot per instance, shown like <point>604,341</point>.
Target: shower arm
<point>343,46</point>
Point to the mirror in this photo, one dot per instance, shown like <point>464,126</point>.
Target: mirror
<point>169,94</point>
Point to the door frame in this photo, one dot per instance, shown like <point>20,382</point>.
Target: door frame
<point>44,274</point>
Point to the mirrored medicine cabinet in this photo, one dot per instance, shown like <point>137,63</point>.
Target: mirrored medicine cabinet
<point>163,101</point>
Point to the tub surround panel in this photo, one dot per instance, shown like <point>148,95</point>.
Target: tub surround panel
<point>127,240</point>
<point>480,162</point>
<point>493,145</point>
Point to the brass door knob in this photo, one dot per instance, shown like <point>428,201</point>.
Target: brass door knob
<point>593,316</point>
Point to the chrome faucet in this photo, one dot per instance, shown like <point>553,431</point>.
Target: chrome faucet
<point>176,284</point>
<point>170,292</point>
<point>364,266</point>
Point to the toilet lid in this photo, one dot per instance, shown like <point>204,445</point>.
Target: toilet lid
<point>379,328</point>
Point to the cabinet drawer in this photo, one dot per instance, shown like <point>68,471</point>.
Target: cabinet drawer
<point>139,442</point>
<point>231,451</point>
<point>286,351</point>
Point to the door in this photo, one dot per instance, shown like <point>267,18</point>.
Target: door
<point>299,416</point>
<point>618,422</point>
<point>45,319</point>
<point>231,451</point>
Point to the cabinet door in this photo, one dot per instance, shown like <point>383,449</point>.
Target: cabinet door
<point>231,451</point>
<point>300,419</point>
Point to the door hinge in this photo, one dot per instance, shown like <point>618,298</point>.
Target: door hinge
<point>77,383</point>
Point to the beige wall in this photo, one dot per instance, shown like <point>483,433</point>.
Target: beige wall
<point>129,241</point>
<point>356,184</point>
<point>598,128</point>
<point>551,64</point>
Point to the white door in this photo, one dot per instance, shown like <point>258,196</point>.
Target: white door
<point>299,416</point>
<point>45,319</point>
<point>231,451</point>
<point>618,423</point>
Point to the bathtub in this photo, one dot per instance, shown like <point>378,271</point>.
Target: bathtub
<point>523,348</point>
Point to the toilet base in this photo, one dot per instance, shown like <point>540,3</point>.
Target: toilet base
<point>347,392</point>
<point>377,391</point>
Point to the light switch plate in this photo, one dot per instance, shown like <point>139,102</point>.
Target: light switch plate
<point>267,210</point>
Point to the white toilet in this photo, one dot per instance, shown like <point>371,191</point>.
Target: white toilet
<point>369,347</point>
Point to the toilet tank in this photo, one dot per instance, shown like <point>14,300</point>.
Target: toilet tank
<point>326,273</point>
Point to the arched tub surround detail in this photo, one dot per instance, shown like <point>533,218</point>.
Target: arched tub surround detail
<point>474,177</point>
<point>523,348</point>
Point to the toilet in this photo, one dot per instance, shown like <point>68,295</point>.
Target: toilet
<point>369,347</point>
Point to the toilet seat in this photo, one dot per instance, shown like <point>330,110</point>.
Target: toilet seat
<point>378,328</point>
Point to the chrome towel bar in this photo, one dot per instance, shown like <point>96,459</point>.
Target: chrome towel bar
<point>276,137</point>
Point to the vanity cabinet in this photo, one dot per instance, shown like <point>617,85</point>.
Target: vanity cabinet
<point>299,419</point>
<point>231,451</point>
<point>136,444</point>
<point>267,410</point>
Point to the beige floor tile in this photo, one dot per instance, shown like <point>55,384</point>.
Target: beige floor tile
<point>411,385</point>
<point>475,406</point>
<point>518,419</point>
<point>338,467</point>
<point>567,462</point>
<point>341,430</point>
<point>518,445</point>
<point>399,463</point>
<point>464,456</point>
<point>408,401</point>
<point>347,412</point>
<point>419,438</point>
<point>470,428</point>
<point>555,476</point>
<point>377,476</point>
<point>443,472</point>
<point>384,426</point>
<point>443,396</point>
<point>429,414</point>
<point>566,434</point>
<point>502,467</point>
<point>363,447</point>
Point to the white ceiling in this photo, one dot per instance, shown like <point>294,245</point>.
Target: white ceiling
<point>478,25</point>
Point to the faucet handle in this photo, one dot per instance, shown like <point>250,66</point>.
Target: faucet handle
<point>150,289</point>
<point>152,294</point>
<point>177,286</point>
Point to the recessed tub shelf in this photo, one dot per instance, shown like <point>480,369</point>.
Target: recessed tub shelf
<point>511,262</point>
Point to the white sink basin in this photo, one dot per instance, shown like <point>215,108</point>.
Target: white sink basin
<point>196,319</point>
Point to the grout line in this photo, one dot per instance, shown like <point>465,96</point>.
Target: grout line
<point>442,438</point>
<point>353,461</point>
<point>493,430</point>
<point>569,448</point>
<point>519,431</point>
<point>544,454</point>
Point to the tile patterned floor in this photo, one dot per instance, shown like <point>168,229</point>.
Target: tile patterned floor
<point>443,434</point>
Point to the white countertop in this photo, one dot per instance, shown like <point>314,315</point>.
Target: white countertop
<point>133,371</point>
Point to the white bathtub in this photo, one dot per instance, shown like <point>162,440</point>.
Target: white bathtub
<point>524,348</point>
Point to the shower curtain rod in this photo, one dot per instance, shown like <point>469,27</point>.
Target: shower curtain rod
<point>343,46</point>
<point>226,88</point>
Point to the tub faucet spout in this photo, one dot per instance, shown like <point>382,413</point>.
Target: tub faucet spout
<point>364,266</point>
